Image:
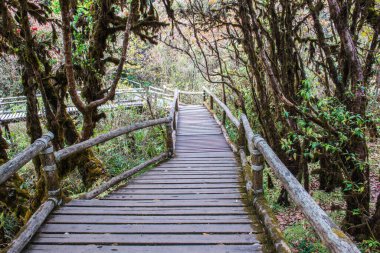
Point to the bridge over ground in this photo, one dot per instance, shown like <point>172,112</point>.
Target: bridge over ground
<point>13,109</point>
<point>205,194</point>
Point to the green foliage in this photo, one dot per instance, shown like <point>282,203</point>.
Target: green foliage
<point>303,239</point>
<point>10,77</point>
<point>335,134</point>
<point>9,224</point>
<point>56,8</point>
<point>370,245</point>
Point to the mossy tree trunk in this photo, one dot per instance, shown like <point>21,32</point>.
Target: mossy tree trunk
<point>14,201</point>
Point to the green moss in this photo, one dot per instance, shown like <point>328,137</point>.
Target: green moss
<point>303,238</point>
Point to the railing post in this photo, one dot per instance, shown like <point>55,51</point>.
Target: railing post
<point>247,172</point>
<point>176,109</point>
<point>257,164</point>
<point>174,122</point>
<point>49,166</point>
<point>204,96</point>
<point>177,101</point>
<point>211,103</point>
<point>169,138</point>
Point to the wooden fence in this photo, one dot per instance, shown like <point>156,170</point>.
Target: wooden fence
<point>259,152</point>
<point>43,148</point>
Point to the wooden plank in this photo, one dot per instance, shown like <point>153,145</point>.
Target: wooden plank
<point>187,176</point>
<point>184,181</point>
<point>201,149</point>
<point>35,248</point>
<point>177,197</point>
<point>151,203</point>
<point>204,173</point>
<point>149,228</point>
<point>197,165</point>
<point>151,210</point>
<point>201,161</point>
<point>128,190</point>
<point>137,219</point>
<point>185,186</point>
<point>198,169</point>
<point>208,154</point>
<point>145,239</point>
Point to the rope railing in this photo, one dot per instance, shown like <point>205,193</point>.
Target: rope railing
<point>43,148</point>
<point>259,151</point>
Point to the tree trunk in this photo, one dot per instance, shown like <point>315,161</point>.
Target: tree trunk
<point>375,220</point>
<point>330,175</point>
<point>14,200</point>
<point>34,131</point>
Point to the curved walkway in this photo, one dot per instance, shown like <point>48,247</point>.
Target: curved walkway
<point>192,203</point>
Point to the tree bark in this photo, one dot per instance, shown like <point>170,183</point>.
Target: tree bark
<point>357,201</point>
<point>13,199</point>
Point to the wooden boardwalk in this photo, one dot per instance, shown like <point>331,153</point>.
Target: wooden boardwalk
<point>12,117</point>
<point>192,203</point>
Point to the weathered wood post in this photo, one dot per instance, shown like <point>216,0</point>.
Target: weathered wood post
<point>176,108</point>
<point>211,103</point>
<point>174,121</point>
<point>247,173</point>
<point>49,166</point>
<point>177,104</point>
<point>257,165</point>
<point>169,138</point>
<point>224,102</point>
<point>54,198</point>
<point>204,96</point>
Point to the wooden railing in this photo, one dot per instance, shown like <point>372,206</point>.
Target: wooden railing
<point>43,148</point>
<point>259,151</point>
<point>9,101</point>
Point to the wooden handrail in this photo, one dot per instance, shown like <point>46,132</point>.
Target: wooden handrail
<point>183,91</point>
<point>191,92</point>
<point>32,226</point>
<point>13,102</point>
<point>159,93</point>
<point>330,234</point>
<point>229,114</point>
<point>12,166</point>
<point>156,88</point>
<point>119,91</point>
<point>76,148</point>
<point>44,149</point>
